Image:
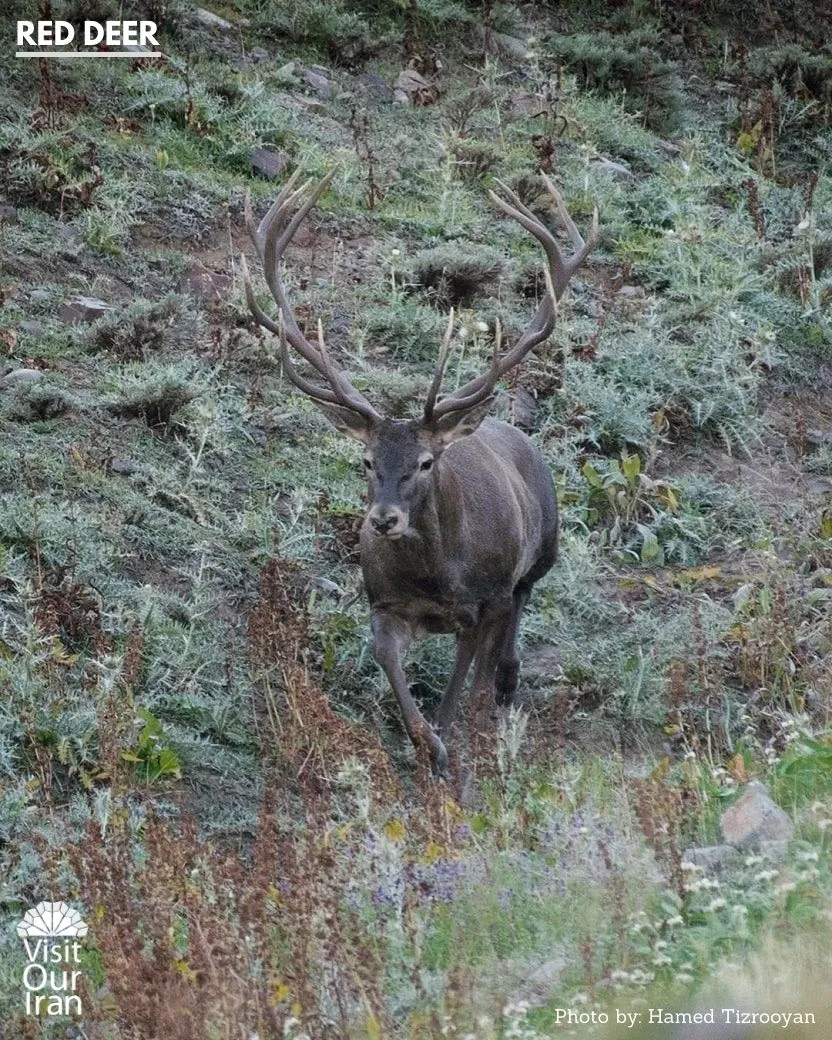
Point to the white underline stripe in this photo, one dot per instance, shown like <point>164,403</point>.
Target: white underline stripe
<point>89,54</point>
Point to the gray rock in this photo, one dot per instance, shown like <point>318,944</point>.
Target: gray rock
<point>329,587</point>
<point>505,45</point>
<point>258,54</point>
<point>286,71</point>
<point>268,161</point>
<point>668,149</point>
<point>320,83</point>
<point>594,309</point>
<point>776,851</point>
<point>525,408</point>
<point>199,281</point>
<point>542,983</point>
<point>618,171</point>
<point>21,375</point>
<point>817,438</point>
<point>312,106</point>
<point>8,215</point>
<point>631,291</point>
<point>377,86</point>
<point>212,20</point>
<point>713,859</point>
<point>522,105</point>
<point>754,819</point>
<point>82,309</point>
<point>123,466</point>
<point>412,88</point>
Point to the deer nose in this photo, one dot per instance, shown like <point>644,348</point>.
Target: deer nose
<point>385,523</point>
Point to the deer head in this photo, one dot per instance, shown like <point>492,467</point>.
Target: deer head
<point>400,455</point>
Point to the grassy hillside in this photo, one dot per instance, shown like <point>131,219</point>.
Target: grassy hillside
<point>196,747</point>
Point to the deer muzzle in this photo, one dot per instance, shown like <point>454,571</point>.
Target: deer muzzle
<point>387,521</point>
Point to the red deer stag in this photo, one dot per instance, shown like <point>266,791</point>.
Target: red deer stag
<point>463,516</point>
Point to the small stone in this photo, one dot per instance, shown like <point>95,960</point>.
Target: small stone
<point>754,818</point>
<point>541,983</point>
<point>377,86</point>
<point>594,309</point>
<point>8,215</point>
<point>631,292</point>
<point>412,88</point>
<point>318,82</point>
<point>82,309</point>
<point>668,149</point>
<point>21,375</point>
<point>816,438</point>
<point>268,161</point>
<point>258,54</point>
<point>212,20</point>
<point>776,851</point>
<point>523,105</point>
<point>123,466</point>
<point>329,587</point>
<point>199,281</point>
<point>503,44</point>
<point>286,71</point>
<point>525,408</point>
<point>312,106</point>
<point>713,859</point>
<point>618,171</point>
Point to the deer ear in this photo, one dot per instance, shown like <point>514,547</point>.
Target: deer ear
<point>353,424</point>
<point>456,425</point>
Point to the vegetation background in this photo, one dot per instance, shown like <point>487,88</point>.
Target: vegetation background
<point>196,748</point>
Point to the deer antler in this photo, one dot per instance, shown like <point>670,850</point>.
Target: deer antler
<point>271,237</point>
<point>558,272</point>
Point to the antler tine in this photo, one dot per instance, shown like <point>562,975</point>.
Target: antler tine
<point>256,231</point>
<point>557,273</point>
<point>259,314</point>
<point>581,247</point>
<point>318,393</point>
<point>271,238</point>
<point>478,389</point>
<point>441,361</point>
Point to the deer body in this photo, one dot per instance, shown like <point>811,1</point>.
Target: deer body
<point>484,532</point>
<point>463,516</point>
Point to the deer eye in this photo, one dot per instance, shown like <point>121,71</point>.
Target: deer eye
<point>368,465</point>
<point>425,465</point>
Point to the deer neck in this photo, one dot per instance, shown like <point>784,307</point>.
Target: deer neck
<point>436,521</point>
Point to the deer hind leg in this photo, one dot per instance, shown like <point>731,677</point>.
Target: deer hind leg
<point>491,634</point>
<point>508,666</point>
<point>392,638</point>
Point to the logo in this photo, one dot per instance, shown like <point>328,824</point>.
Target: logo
<point>50,933</point>
<point>130,38</point>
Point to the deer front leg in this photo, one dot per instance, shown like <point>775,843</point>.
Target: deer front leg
<point>392,638</point>
<point>465,647</point>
